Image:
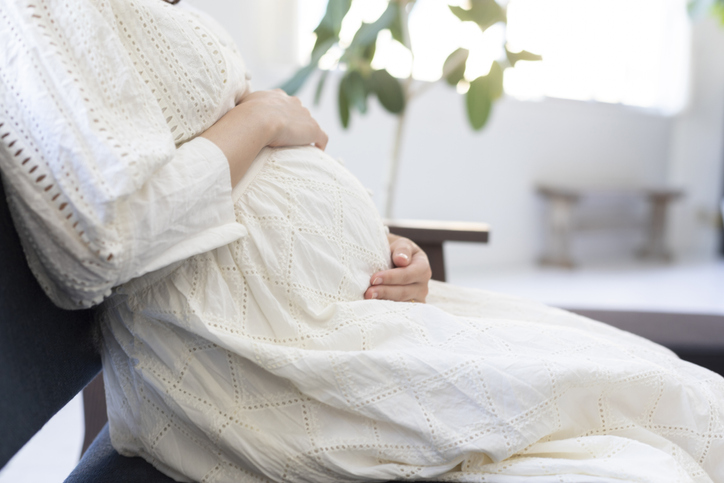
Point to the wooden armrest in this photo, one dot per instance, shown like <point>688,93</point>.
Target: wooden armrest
<point>430,235</point>
<point>427,231</point>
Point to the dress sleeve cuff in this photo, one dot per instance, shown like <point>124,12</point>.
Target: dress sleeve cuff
<point>197,186</point>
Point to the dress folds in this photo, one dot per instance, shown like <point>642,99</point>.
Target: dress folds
<point>104,175</point>
<point>260,360</point>
<point>237,345</point>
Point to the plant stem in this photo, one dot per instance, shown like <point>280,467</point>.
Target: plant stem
<point>424,87</point>
<point>394,164</point>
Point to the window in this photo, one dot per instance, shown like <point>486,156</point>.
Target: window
<point>633,52</point>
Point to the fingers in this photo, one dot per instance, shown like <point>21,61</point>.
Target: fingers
<point>408,280</point>
<point>402,250</point>
<point>287,120</point>
<point>416,272</point>
<point>398,293</point>
<point>322,140</point>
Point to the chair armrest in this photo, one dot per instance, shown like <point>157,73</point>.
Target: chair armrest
<point>430,236</point>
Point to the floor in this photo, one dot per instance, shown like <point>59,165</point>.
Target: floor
<point>53,452</point>
<point>696,287</point>
<point>685,287</point>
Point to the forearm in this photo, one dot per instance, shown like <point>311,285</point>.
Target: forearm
<point>263,118</point>
<point>240,136</point>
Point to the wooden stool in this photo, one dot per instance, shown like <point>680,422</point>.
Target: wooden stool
<point>562,202</point>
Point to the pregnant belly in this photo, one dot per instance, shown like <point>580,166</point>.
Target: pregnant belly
<point>315,236</point>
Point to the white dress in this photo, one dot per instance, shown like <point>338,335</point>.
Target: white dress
<point>249,354</point>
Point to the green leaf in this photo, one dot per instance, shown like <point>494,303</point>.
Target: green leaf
<point>461,13</point>
<point>323,35</point>
<point>483,91</point>
<point>479,103</point>
<point>483,12</point>
<point>454,67</point>
<point>718,11</point>
<point>354,88</point>
<point>331,24</point>
<point>514,57</point>
<point>368,53</point>
<point>335,13</point>
<point>343,107</point>
<point>495,81</point>
<point>367,33</point>
<point>692,7</point>
<point>292,85</point>
<point>321,49</point>
<point>300,77</point>
<point>320,87</point>
<point>389,91</point>
<point>396,28</point>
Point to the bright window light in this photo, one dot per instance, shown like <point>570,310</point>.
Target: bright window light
<point>632,52</point>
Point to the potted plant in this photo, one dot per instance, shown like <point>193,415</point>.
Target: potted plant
<point>715,7</point>
<point>360,80</point>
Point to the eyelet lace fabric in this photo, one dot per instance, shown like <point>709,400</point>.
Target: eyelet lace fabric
<point>102,101</point>
<point>260,361</point>
<point>237,344</point>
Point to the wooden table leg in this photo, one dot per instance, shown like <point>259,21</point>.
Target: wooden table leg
<point>437,260</point>
<point>560,227</point>
<point>656,247</point>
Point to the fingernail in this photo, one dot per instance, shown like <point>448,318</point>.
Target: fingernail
<point>403,255</point>
<point>377,281</point>
<point>374,295</point>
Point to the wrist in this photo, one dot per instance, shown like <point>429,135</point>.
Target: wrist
<point>258,119</point>
<point>241,136</point>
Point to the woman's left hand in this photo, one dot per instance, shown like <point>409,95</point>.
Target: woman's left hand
<point>407,282</point>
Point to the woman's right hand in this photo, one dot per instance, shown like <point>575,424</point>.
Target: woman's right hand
<point>290,123</point>
<point>263,118</point>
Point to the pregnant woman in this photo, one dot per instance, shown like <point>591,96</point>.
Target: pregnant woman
<point>241,338</point>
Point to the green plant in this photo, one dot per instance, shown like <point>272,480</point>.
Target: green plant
<point>360,80</point>
<point>715,7</point>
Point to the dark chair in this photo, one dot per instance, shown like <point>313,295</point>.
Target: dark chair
<point>47,356</point>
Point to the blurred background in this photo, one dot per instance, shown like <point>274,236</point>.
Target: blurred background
<point>629,98</point>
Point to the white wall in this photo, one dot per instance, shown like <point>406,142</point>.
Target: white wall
<point>696,146</point>
<point>450,173</point>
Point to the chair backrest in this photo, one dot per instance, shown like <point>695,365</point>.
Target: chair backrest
<point>47,355</point>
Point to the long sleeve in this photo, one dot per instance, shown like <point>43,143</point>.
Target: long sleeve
<point>99,188</point>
